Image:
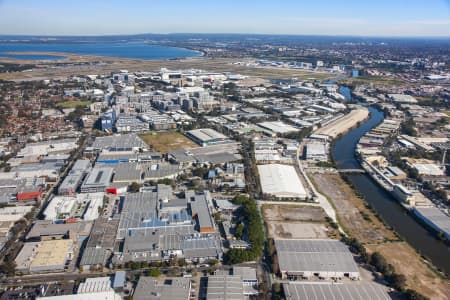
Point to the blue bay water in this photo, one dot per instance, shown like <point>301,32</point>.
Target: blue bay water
<point>125,50</point>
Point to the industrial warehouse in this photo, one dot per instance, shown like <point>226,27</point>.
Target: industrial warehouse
<point>207,136</point>
<point>336,291</point>
<point>156,224</point>
<point>324,259</point>
<point>281,181</point>
<point>45,256</point>
<point>150,288</point>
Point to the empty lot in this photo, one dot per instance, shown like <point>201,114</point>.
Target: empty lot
<point>295,221</point>
<point>418,276</point>
<point>167,141</point>
<point>359,221</point>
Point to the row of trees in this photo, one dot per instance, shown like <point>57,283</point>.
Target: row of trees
<point>379,263</point>
<point>249,215</point>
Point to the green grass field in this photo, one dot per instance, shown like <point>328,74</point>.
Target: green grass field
<point>73,104</point>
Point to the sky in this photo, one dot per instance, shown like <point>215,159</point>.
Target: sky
<point>312,17</point>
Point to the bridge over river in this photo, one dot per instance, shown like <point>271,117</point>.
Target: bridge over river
<point>352,171</point>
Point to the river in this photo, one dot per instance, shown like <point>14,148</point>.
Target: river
<point>383,203</point>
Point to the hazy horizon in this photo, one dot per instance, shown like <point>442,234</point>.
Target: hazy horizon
<point>226,33</point>
<point>401,18</point>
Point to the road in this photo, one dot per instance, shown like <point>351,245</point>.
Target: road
<point>319,198</point>
<point>47,278</point>
<point>20,236</point>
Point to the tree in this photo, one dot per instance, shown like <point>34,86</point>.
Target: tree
<point>239,231</point>
<point>76,114</point>
<point>397,281</point>
<point>154,273</point>
<point>442,194</point>
<point>276,288</point>
<point>135,187</point>
<point>134,265</point>
<point>166,181</point>
<point>200,172</point>
<point>408,127</point>
<point>413,295</point>
<point>182,262</point>
<point>356,247</point>
<point>212,262</point>
<point>248,213</point>
<point>379,262</point>
<point>8,267</point>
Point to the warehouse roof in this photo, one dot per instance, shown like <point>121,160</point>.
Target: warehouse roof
<point>125,142</point>
<point>315,149</point>
<point>103,233</point>
<point>77,206</point>
<point>81,164</point>
<point>114,156</point>
<point>95,285</point>
<point>149,288</point>
<point>127,172</point>
<point>52,253</point>
<point>71,182</point>
<point>247,273</point>
<point>218,158</point>
<point>402,98</point>
<point>160,170</point>
<point>138,208</point>
<point>278,127</point>
<point>435,216</point>
<point>181,155</point>
<point>119,279</point>
<point>94,256</point>
<point>225,287</point>
<point>91,296</point>
<point>206,134</point>
<point>281,181</point>
<point>314,256</point>
<point>200,207</point>
<point>48,228</point>
<point>429,169</point>
<point>327,290</point>
<point>98,177</point>
<point>24,258</point>
<point>204,246</point>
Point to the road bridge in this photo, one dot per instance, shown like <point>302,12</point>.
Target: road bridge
<point>349,171</point>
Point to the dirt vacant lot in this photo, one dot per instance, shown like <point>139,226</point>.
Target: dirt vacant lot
<point>293,213</point>
<point>418,276</point>
<point>295,221</point>
<point>359,221</point>
<point>296,230</point>
<point>168,141</point>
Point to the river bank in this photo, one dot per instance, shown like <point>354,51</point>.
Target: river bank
<point>360,221</point>
<point>428,251</point>
<point>343,124</point>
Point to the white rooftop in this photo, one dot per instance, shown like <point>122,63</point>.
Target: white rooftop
<point>278,127</point>
<point>281,181</point>
<point>91,296</point>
